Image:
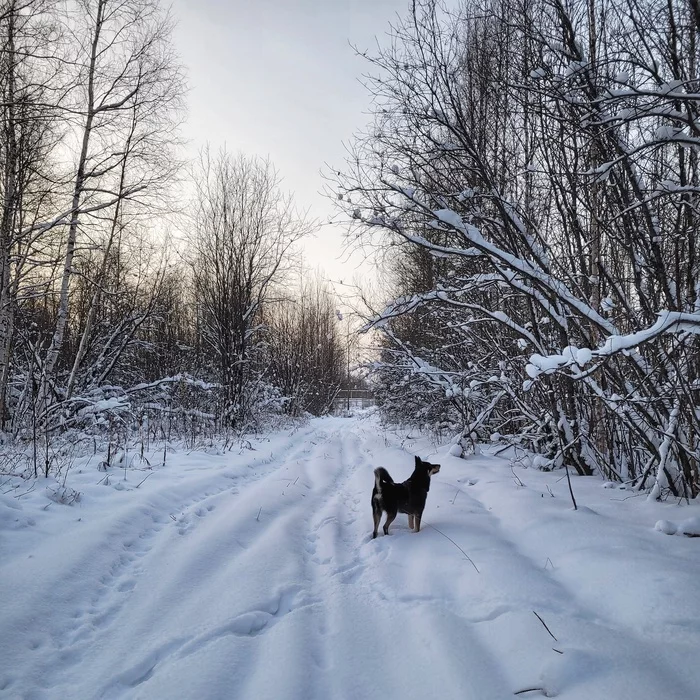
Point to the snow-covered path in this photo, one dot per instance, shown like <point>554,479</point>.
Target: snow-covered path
<point>254,576</point>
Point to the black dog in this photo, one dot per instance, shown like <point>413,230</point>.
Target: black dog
<point>408,497</point>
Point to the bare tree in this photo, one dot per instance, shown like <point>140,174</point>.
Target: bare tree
<point>543,152</point>
<point>304,348</point>
<point>245,229</point>
<point>127,96</point>
<point>29,96</point>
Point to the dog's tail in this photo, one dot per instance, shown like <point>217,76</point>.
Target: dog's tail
<point>381,477</point>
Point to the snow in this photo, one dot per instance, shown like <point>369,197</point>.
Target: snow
<point>583,356</point>
<point>104,405</point>
<point>666,133</point>
<point>252,574</point>
<point>689,527</point>
<point>544,364</point>
<point>668,322</point>
<point>666,526</point>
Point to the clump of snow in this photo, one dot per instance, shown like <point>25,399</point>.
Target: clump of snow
<point>607,304</point>
<point>689,527</point>
<point>64,495</point>
<point>542,463</point>
<point>449,217</point>
<point>583,356</point>
<point>12,516</point>
<point>666,526</point>
<point>666,133</point>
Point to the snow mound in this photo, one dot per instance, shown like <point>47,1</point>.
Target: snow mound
<point>666,526</point>
<point>12,516</point>
<point>689,527</point>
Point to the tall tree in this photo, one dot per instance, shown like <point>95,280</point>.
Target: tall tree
<point>543,152</point>
<point>126,96</point>
<point>244,232</point>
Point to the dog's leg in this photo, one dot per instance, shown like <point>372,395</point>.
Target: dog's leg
<point>377,515</point>
<point>417,522</point>
<point>410,522</point>
<point>389,519</point>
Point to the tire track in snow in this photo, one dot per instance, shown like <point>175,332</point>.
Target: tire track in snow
<point>403,648</point>
<point>287,514</point>
<point>320,550</point>
<point>138,529</point>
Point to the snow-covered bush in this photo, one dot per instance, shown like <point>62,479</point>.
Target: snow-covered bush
<point>557,202</point>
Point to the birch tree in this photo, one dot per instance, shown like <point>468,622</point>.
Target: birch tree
<point>127,78</point>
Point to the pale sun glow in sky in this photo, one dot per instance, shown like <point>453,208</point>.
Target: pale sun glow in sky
<point>279,79</point>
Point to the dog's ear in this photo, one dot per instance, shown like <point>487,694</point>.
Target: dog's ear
<point>418,461</point>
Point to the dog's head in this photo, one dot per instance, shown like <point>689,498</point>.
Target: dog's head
<point>430,469</point>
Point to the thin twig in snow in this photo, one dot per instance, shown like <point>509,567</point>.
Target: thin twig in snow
<point>516,478</point>
<point>545,626</point>
<point>144,479</point>
<point>531,690</point>
<point>571,490</point>
<point>455,544</point>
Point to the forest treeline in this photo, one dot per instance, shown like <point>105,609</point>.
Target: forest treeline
<point>530,180</point>
<point>127,306</point>
<point>531,175</point>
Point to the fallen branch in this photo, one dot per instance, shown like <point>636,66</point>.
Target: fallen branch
<point>532,690</point>
<point>545,626</point>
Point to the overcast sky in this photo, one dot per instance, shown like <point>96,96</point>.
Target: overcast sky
<point>278,78</point>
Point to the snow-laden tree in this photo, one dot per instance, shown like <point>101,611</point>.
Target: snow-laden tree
<point>544,153</point>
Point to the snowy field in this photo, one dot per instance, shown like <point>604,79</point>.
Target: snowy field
<point>253,575</point>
